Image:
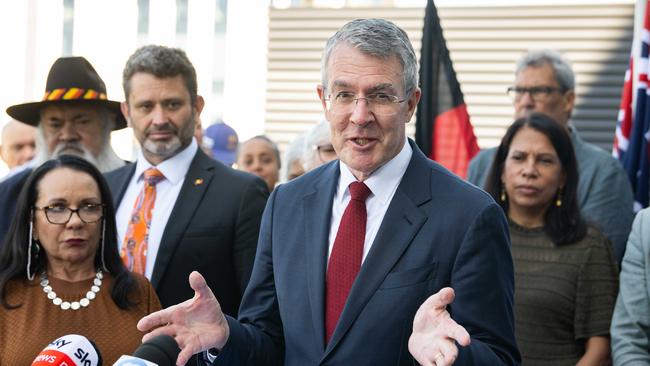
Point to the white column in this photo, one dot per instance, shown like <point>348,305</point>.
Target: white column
<point>245,80</point>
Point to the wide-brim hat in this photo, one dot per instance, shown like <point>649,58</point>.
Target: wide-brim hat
<point>71,79</point>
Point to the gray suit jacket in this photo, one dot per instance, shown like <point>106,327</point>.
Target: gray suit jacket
<point>604,192</point>
<point>631,322</point>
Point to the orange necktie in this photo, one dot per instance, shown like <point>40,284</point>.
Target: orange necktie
<point>134,248</point>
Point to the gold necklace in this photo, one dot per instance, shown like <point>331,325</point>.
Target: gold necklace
<point>75,305</point>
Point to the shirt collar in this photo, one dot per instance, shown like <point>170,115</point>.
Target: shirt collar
<point>383,181</point>
<point>174,169</point>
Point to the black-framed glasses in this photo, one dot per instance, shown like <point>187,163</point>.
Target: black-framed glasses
<point>379,103</point>
<point>537,93</point>
<point>60,215</point>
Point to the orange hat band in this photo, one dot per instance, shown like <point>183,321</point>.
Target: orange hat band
<point>73,94</point>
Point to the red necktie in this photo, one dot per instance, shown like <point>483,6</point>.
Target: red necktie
<point>346,256</point>
<point>134,248</point>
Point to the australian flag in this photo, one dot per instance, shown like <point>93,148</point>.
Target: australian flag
<point>633,125</point>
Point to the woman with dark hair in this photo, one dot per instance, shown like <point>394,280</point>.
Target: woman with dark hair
<point>60,271</point>
<point>565,271</point>
<point>260,156</point>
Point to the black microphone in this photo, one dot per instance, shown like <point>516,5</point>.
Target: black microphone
<point>161,350</point>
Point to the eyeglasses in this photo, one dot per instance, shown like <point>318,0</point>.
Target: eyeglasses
<point>379,103</point>
<point>60,215</point>
<point>326,152</point>
<point>537,93</point>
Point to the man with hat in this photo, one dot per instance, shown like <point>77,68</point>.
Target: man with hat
<point>74,117</point>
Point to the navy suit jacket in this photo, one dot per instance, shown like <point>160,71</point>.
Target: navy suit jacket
<point>213,229</point>
<point>9,192</point>
<point>438,231</point>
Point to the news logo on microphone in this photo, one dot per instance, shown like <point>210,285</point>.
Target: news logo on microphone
<point>69,350</point>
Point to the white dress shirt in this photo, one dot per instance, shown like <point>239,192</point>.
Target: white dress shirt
<point>167,190</point>
<point>383,183</point>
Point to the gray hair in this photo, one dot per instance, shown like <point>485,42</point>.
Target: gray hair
<point>377,38</point>
<point>561,67</point>
<point>161,62</point>
<point>317,135</point>
<point>294,152</point>
<point>107,159</point>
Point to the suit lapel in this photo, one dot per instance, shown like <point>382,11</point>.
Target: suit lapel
<point>189,198</point>
<point>401,223</point>
<point>317,211</point>
<point>118,181</point>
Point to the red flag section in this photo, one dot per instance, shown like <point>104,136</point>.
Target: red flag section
<point>454,143</point>
<point>443,129</point>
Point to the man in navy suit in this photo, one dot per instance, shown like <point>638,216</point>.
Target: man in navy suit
<point>434,278</point>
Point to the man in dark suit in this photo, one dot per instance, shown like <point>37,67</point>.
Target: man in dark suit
<point>381,258</point>
<point>199,214</point>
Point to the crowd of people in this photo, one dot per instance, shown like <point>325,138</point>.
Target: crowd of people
<point>352,248</point>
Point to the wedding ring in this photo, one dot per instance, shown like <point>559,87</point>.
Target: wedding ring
<point>437,356</point>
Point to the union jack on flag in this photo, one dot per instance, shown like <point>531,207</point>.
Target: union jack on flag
<point>633,126</point>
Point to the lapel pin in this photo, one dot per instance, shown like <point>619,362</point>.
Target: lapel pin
<point>198,182</point>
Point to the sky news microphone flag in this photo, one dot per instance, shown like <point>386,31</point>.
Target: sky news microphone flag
<point>442,128</point>
<point>633,126</point>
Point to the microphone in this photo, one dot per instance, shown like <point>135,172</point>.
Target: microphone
<point>161,350</point>
<point>69,350</point>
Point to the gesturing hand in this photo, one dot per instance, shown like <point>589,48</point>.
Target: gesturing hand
<point>435,333</point>
<point>196,324</point>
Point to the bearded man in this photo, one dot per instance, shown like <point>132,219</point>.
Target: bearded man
<point>74,117</point>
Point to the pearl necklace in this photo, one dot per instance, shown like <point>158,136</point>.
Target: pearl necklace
<point>75,305</point>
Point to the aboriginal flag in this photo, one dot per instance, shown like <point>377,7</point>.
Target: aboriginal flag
<point>442,128</point>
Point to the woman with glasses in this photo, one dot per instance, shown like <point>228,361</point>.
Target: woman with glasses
<point>318,147</point>
<point>565,271</point>
<point>60,271</point>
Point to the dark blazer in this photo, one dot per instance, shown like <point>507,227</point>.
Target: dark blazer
<point>438,231</point>
<point>9,191</point>
<point>213,229</point>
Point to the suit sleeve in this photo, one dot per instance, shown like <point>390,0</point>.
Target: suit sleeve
<point>631,321</point>
<point>610,205</point>
<point>479,167</point>
<point>257,337</point>
<point>247,229</point>
<point>483,280</point>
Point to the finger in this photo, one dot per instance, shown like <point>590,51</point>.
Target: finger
<point>439,359</point>
<point>456,332</point>
<point>449,351</point>
<point>198,284</point>
<point>184,356</point>
<point>167,330</point>
<point>440,299</point>
<point>185,344</point>
<point>153,320</point>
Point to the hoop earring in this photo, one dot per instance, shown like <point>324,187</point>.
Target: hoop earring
<point>30,275</point>
<point>103,246</point>
<point>503,192</point>
<point>558,199</point>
